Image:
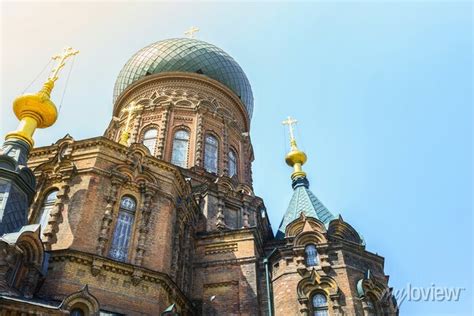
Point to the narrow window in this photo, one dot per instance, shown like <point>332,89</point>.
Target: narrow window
<point>13,272</point>
<point>211,154</point>
<point>179,156</point>
<point>320,305</point>
<point>311,255</point>
<point>232,163</point>
<point>149,139</point>
<point>46,207</point>
<point>123,229</point>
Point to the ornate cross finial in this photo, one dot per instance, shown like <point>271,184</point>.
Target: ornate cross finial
<point>290,122</point>
<point>67,52</point>
<point>132,109</point>
<point>295,158</point>
<point>37,110</point>
<point>190,33</point>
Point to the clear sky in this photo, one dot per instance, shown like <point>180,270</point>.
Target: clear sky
<point>382,92</point>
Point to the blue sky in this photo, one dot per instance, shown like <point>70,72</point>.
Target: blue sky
<point>382,92</point>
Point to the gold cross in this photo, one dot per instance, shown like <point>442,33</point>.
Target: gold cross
<point>132,109</point>
<point>190,33</point>
<point>290,122</point>
<point>67,52</point>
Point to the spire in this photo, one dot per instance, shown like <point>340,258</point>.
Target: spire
<point>17,181</point>
<point>303,201</point>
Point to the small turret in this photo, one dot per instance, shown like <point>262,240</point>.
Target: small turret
<point>303,200</point>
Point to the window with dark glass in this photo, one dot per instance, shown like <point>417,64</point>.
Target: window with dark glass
<point>232,163</point>
<point>320,305</point>
<point>311,255</point>
<point>149,139</point>
<point>77,312</point>
<point>123,229</point>
<point>211,154</point>
<point>46,207</point>
<point>179,156</point>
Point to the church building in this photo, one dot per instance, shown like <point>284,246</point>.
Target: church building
<point>158,215</point>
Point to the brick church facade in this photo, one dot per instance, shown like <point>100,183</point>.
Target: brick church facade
<point>158,216</point>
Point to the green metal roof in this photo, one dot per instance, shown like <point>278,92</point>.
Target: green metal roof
<point>303,201</point>
<point>186,55</point>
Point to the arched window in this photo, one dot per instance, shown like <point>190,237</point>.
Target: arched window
<point>46,207</point>
<point>320,305</point>
<point>77,312</point>
<point>211,154</point>
<point>179,156</point>
<point>123,229</point>
<point>311,255</point>
<point>149,139</point>
<point>232,163</point>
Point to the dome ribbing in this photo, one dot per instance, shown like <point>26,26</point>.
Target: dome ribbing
<point>186,55</point>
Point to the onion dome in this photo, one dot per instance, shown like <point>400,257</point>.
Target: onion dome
<point>186,55</point>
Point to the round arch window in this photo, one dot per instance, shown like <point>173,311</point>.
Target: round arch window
<point>311,255</point>
<point>77,312</point>
<point>320,304</point>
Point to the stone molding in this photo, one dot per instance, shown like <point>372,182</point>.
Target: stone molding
<point>83,298</point>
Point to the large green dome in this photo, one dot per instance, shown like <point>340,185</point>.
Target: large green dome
<point>186,55</point>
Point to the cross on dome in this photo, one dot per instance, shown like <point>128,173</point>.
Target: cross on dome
<point>290,122</point>
<point>131,110</point>
<point>190,33</point>
<point>61,58</point>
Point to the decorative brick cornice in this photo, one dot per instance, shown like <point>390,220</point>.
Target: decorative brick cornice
<point>220,248</point>
<point>111,266</point>
<point>239,261</point>
<point>181,80</point>
<point>119,150</point>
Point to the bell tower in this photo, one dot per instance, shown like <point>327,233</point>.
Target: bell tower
<point>319,264</point>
